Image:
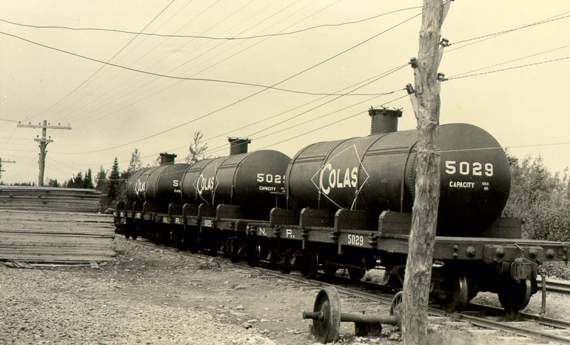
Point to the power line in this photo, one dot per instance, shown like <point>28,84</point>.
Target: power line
<point>142,33</point>
<point>482,38</point>
<point>221,43</point>
<point>248,125</point>
<point>169,76</point>
<point>140,42</point>
<point>8,120</point>
<point>102,66</point>
<point>97,100</point>
<point>544,21</point>
<point>463,76</point>
<point>513,60</point>
<point>218,148</point>
<point>331,123</point>
<point>336,98</point>
<point>488,36</point>
<point>255,93</point>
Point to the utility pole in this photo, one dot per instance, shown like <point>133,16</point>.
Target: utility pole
<point>2,161</point>
<point>426,103</point>
<point>43,141</point>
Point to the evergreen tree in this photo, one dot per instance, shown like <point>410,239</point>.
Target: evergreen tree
<point>113,190</point>
<point>88,180</point>
<point>75,181</point>
<point>101,180</point>
<point>53,183</point>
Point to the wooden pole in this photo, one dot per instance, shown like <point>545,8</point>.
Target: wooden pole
<point>43,142</point>
<point>426,103</point>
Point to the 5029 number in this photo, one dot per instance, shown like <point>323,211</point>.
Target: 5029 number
<point>469,168</point>
<point>355,240</point>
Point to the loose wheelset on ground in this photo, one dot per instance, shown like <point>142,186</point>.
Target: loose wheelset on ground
<point>327,316</point>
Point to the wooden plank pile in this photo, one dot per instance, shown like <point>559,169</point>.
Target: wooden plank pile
<point>50,225</point>
<point>49,198</point>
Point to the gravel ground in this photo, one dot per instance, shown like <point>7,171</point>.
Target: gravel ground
<point>149,295</point>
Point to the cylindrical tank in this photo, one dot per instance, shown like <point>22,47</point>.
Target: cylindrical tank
<point>163,186</point>
<point>377,173</point>
<point>136,185</point>
<point>158,186</point>
<point>247,179</point>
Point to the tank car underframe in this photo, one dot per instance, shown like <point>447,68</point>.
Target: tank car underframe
<point>318,240</point>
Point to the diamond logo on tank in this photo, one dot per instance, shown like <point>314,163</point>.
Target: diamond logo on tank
<point>341,178</point>
<point>203,185</point>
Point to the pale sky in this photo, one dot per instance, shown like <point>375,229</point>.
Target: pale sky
<point>524,107</point>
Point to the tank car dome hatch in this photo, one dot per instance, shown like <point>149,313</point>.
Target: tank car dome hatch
<point>377,173</point>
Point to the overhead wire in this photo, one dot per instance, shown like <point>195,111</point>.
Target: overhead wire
<point>361,85</point>
<point>276,34</point>
<point>94,74</point>
<point>294,108</point>
<point>517,28</point>
<point>312,119</point>
<point>169,76</point>
<point>513,60</point>
<point>493,35</point>
<point>463,76</point>
<point>111,96</point>
<point>240,100</point>
<point>228,57</point>
<point>133,47</point>
<point>464,43</point>
<point>480,38</point>
<point>331,123</point>
<point>130,90</point>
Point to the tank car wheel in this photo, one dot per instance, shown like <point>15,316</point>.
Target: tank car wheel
<point>192,242</point>
<point>356,274</point>
<point>515,295</point>
<point>330,270</point>
<point>457,293</point>
<point>395,277</point>
<point>309,265</point>
<point>234,250</point>
<point>253,254</point>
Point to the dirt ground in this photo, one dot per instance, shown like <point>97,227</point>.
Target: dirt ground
<point>150,295</point>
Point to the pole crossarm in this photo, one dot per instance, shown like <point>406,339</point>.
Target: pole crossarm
<point>42,126</point>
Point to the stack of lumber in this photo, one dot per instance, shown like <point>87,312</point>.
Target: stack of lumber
<point>53,226</point>
<point>49,198</point>
<point>55,237</point>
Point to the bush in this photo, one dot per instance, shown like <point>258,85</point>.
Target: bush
<point>540,199</point>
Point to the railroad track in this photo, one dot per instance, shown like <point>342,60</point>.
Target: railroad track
<point>476,315</point>
<point>556,286</point>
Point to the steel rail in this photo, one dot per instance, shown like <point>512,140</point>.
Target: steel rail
<point>556,286</point>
